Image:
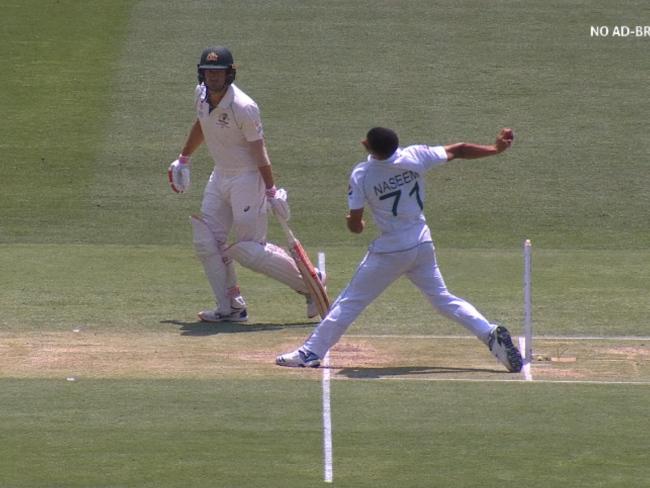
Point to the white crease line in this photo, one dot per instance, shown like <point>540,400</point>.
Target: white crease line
<point>515,380</point>
<point>327,422</point>
<point>464,337</point>
<point>327,405</point>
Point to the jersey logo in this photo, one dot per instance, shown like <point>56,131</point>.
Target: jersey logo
<point>223,121</point>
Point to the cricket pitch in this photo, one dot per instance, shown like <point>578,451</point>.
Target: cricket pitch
<point>168,353</point>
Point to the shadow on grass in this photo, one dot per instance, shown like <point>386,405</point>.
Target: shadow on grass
<point>201,329</point>
<point>369,373</point>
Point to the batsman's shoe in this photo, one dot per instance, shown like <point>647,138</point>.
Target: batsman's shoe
<point>235,315</point>
<point>501,346</point>
<point>237,303</point>
<point>300,358</point>
<point>312,307</point>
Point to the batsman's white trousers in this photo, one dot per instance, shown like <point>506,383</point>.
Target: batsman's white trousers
<point>237,203</point>
<point>375,273</point>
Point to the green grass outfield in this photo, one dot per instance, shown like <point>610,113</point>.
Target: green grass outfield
<point>96,100</point>
<point>225,433</point>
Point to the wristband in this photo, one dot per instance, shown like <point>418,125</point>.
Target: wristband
<point>184,159</point>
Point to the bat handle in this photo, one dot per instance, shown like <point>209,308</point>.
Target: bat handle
<point>285,227</point>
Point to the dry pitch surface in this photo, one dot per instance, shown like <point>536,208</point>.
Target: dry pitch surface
<point>238,351</point>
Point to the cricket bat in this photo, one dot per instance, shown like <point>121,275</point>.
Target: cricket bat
<point>307,270</point>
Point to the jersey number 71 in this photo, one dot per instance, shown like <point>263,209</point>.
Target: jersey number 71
<point>397,195</point>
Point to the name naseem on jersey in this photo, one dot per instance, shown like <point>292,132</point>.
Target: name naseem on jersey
<point>395,182</point>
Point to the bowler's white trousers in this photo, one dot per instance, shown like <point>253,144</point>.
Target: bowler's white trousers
<point>374,274</point>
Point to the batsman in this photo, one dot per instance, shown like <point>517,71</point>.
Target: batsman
<point>239,193</point>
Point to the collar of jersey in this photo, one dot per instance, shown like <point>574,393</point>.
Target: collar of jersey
<point>385,161</point>
<point>226,101</point>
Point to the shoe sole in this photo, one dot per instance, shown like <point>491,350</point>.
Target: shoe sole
<point>287,365</point>
<point>229,319</point>
<point>515,363</point>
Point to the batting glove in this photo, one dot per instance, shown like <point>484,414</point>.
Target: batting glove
<point>179,174</point>
<point>279,203</point>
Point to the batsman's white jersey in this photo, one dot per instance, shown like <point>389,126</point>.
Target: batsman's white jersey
<point>228,127</point>
<point>394,190</point>
<point>234,196</point>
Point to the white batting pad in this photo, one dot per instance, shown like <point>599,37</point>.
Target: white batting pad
<point>270,260</point>
<point>208,253</point>
<point>231,273</point>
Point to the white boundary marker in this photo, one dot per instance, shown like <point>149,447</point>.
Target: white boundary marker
<point>328,464</point>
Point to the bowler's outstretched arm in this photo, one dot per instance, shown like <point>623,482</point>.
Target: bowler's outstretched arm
<point>464,150</point>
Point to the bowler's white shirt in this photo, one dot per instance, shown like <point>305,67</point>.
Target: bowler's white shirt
<point>394,190</point>
<point>229,128</point>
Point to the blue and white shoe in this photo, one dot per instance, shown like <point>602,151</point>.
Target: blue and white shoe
<point>235,315</point>
<point>501,346</point>
<point>299,358</point>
